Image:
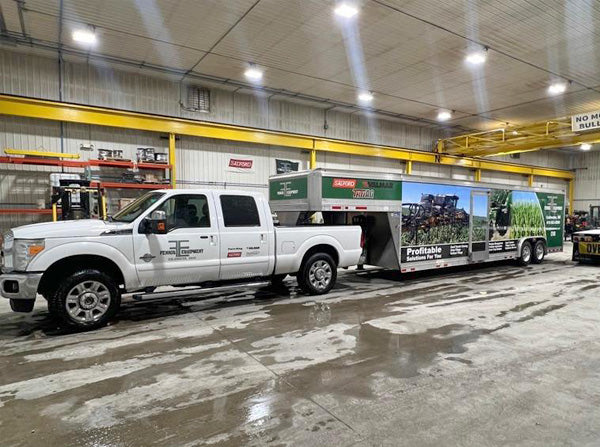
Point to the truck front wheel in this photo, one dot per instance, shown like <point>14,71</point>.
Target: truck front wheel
<point>86,299</point>
<point>317,274</point>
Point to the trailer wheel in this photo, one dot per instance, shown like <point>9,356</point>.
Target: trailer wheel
<point>539,252</point>
<point>85,300</point>
<point>317,274</point>
<point>526,254</point>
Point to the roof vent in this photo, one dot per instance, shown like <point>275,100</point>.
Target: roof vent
<point>198,99</point>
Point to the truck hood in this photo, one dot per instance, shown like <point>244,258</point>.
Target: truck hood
<point>68,228</point>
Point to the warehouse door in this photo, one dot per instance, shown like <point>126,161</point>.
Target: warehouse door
<point>479,225</point>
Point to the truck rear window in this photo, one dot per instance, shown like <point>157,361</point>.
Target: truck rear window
<point>239,211</point>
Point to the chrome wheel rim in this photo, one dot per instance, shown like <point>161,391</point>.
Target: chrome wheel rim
<point>539,251</point>
<point>320,274</point>
<point>526,254</point>
<point>88,301</point>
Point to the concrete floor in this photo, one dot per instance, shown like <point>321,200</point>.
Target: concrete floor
<point>490,356</point>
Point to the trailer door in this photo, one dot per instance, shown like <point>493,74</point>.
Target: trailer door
<point>479,225</point>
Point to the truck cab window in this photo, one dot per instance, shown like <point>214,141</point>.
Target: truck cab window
<point>239,211</point>
<point>136,208</point>
<point>186,211</point>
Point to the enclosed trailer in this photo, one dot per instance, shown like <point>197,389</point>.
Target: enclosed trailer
<point>415,223</point>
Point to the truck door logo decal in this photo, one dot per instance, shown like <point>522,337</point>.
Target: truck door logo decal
<point>180,250</point>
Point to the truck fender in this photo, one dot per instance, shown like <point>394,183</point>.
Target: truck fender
<point>48,257</point>
<point>313,242</point>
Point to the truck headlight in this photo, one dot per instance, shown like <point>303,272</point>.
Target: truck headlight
<point>25,250</point>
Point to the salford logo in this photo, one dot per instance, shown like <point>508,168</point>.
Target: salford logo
<point>347,183</point>
<point>243,164</point>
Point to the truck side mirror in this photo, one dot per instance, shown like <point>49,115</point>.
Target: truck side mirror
<point>156,222</point>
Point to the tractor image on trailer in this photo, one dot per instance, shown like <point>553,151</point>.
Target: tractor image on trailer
<point>415,223</point>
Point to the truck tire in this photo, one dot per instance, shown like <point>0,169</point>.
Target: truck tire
<point>85,300</point>
<point>539,252</point>
<point>526,254</point>
<point>317,274</point>
<point>24,306</point>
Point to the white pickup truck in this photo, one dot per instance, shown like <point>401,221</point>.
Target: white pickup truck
<point>175,238</point>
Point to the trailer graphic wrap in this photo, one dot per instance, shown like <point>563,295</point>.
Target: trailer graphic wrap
<point>436,220</point>
<point>289,189</point>
<point>553,206</point>
<point>361,189</point>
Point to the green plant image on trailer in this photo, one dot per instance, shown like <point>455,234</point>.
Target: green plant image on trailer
<point>515,214</point>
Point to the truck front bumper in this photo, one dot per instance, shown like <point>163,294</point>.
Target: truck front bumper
<point>19,286</point>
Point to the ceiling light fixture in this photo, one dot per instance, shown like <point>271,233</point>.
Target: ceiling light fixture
<point>585,146</point>
<point>346,10</point>
<point>557,88</point>
<point>476,57</point>
<point>253,73</point>
<point>365,97</point>
<point>85,36</point>
<point>444,115</point>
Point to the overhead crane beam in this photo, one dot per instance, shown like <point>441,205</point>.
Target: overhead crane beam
<point>513,139</point>
<point>99,116</point>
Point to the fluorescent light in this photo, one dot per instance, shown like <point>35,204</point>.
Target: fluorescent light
<point>476,57</point>
<point>346,10</point>
<point>444,115</point>
<point>585,146</point>
<point>365,97</point>
<point>85,36</point>
<point>557,88</point>
<point>514,132</point>
<point>254,74</point>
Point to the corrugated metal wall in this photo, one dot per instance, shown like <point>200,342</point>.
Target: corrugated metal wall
<point>200,162</point>
<point>587,185</point>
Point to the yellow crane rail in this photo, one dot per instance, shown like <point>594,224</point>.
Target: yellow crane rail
<point>512,139</point>
<point>100,116</point>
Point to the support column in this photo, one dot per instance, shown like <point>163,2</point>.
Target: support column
<point>172,159</point>
<point>409,167</point>
<point>530,180</point>
<point>571,196</point>
<point>313,159</point>
<point>477,175</point>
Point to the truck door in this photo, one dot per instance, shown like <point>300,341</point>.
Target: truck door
<point>479,226</point>
<point>189,252</point>
<point>246,237</point>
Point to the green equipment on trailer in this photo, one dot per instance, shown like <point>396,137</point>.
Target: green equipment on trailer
<point>415,223</point>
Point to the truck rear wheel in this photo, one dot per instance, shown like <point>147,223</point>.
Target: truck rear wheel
<point>85,300</point>
<point>526,254</point>
<point>317,274</point>
<point>539,252</point>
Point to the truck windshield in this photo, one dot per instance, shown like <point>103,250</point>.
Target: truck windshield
<point>137,207</point>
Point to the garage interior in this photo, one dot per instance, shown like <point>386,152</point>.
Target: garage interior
<point>229,93</point>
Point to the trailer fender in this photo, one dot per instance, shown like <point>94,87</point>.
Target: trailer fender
<point>532,239</point>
